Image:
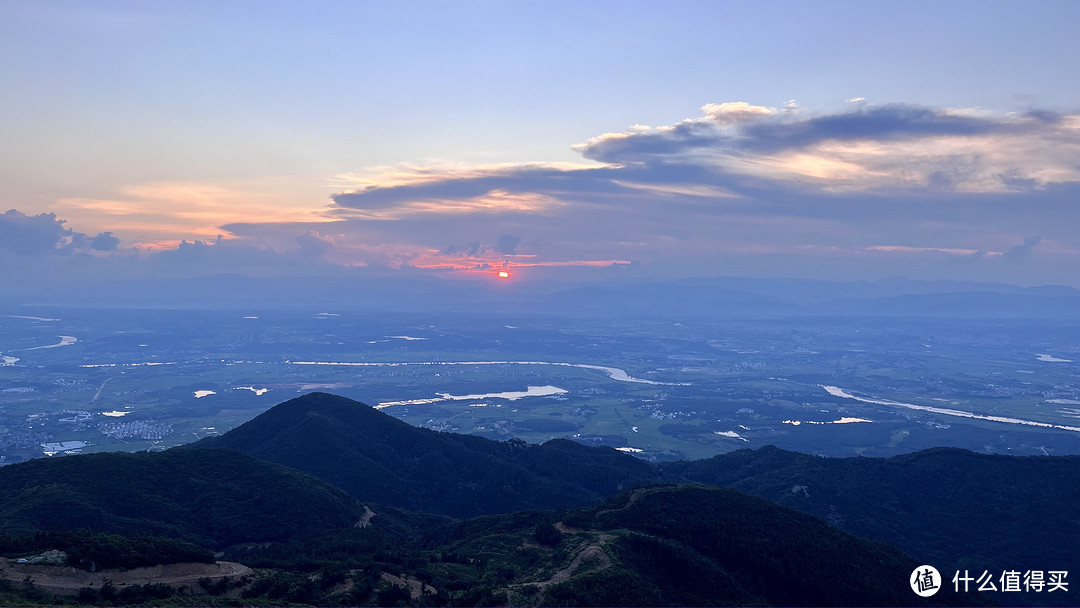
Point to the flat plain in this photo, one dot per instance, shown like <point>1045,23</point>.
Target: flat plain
<point>662,388</point>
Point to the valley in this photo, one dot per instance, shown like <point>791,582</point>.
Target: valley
<point>664,388</point>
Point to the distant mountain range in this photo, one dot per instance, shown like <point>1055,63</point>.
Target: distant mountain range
<point>739,296</point>
<point>305,471</point>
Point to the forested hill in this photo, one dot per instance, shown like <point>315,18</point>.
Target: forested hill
<point>212,497</point>
<point>684,545</point>
<point>951,507</point>
<point>947,506</point>
<point>379,458</point>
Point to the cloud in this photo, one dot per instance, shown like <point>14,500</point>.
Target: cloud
<point>879,124</point>
<point>777,159</point>
<point>868,148</point>
<point>44,234</point>
<point>869,190</point>
<point>528,188</point>
<point>314,245</point>
<point>163,211</point>
<point>507,243</point>
<point>308,253</point>
<point>1023,251</point>
<point>469,249</point>
<point>106,241</point>
<point>871,182</point>
<point>32,234</point>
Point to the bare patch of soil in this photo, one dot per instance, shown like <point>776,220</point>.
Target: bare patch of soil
<point>66,580</point>
<point>415,587</point>
<point>565,529</point>
<point>365,519</point>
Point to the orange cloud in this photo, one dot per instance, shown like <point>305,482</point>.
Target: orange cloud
<point>496,201</point>
<point>481,263</point>
<point>159,212</point>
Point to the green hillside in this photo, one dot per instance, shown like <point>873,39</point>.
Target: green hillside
<point>950,507</point>
<point>699,545</point>
<point>641,544</point>
<point>212,497</point>
<point>379,458</point>
<point>668,545</point>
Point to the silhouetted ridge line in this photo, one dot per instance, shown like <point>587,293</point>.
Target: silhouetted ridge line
<point>377,457</point>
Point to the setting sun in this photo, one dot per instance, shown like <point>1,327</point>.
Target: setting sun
<point>504,275</point>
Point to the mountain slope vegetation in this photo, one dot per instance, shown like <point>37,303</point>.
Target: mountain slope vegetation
<point>947,506</point>
<point>212,497</point>
<point>663,545</point>
<point>343,527</point>
<point>379,458</point>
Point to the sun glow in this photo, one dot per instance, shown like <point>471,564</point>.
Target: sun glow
<point>504,274</point>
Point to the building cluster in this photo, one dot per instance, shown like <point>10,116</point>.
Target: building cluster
<point>136,429</point>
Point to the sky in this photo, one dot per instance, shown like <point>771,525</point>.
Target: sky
<point>555,140</point>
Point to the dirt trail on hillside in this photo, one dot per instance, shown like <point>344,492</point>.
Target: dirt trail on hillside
<point>568,571</point>
<point>67,580</point>
<point>595,550</point>
<point>634,496</point>
<point>565,529</point>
